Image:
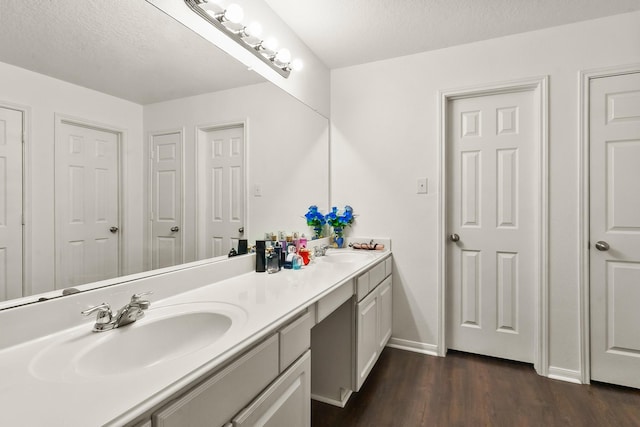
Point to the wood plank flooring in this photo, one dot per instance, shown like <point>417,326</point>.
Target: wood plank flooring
<point>410,389</point>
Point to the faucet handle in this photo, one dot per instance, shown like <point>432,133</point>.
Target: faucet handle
<point>104,315</point>
<point>137,299</point>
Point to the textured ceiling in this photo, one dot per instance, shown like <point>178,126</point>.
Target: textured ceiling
<point>126,48</point>
<point>350,32</point>
<point>129,49</point>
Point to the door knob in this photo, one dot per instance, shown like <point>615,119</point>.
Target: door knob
<point>241,230</point>
<point>602,246</point>
<point>113,229</point>
<point>454,237</point>
<point>175,228</point>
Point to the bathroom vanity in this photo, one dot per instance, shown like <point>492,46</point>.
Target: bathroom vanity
<point>220,345</point>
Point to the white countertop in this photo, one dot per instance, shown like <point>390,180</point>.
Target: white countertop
<point>262,301</point>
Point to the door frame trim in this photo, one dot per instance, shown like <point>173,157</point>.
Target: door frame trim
<point>149,187</point>
<point>26,194</point>
<point>60,119</point>
<point>584,82</point>
<point>199,131</point>
<point>539,86</point>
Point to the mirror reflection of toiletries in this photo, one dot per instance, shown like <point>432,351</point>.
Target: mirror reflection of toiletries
<point>146,146</point>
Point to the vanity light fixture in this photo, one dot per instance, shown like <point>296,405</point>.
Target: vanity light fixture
<point>229,21</point>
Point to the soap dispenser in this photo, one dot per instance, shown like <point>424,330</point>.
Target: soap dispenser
<point>273,261</point>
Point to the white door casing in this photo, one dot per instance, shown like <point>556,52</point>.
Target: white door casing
<point>87,202</point>
<point>11,263</point>
<point>221,189</point>
<point>614,242</point>
<point>503,258</point>
<point>166,199</point>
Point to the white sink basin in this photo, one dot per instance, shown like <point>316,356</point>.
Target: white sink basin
<point>163,334</point>
<point>342,256</point>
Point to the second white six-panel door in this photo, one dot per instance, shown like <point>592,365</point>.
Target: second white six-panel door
<point>491,210</point>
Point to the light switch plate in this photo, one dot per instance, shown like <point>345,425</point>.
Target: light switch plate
<point>257,190</point>
<point>422,186</point>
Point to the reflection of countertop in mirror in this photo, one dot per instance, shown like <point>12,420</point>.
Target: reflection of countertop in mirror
<point>43,385</point>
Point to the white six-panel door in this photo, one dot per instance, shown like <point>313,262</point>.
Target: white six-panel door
<point>166,199</point>
<point>614,141</point>
<point>491,206</point>
<point>222,190</point>
<point>86,204</point>
<point>10,204</point>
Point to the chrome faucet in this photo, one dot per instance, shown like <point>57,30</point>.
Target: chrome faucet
<point>320,251</point>
<point>106,320</point>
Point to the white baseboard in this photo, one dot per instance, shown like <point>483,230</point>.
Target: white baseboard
<point>567,375</point>
<point>415,346</point>
<point>338,403</point>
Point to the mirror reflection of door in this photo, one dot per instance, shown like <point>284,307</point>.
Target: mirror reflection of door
<point>87,203</point>
<point>166,199</point>
<point>10,203</point>
<point>221,195</point>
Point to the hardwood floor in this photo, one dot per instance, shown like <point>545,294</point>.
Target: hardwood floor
<point>409,389</point>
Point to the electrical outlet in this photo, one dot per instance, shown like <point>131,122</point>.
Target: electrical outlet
<point>257,190</point>
<point>422,186</point>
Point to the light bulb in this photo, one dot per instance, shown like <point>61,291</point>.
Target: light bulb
<point>234,13</point>
<point>297,64</point>
<point>253,30</point>
<point>283,56</point>
<point>270,44</point>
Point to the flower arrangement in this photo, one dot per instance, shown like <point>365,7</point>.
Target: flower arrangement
<point>339,222</point>
<point>316,220</point>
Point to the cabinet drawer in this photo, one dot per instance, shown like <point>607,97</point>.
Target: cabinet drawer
<point>220,397</point>
<point>388,266</point>
<point>295,339</point>
<point>287,402</point>
<point>335,299</point>
<point>362,285</point>
<point>376,275</point>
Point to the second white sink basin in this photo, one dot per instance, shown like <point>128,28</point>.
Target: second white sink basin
<point>341,256</point>
<point>163,334</point>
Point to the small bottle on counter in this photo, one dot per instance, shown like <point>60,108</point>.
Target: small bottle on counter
<point>261,247</point>
<point>273,261</point>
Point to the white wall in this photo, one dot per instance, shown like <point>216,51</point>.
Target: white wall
<point>385,135</point>
<point>287,153</point>
<point>44,97</point>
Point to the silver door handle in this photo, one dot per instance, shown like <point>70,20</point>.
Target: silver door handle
<point>241,230</point>
<point>602,246</point>
<point>113,229</point>
<point>454,237</point>
<point>175,228</point>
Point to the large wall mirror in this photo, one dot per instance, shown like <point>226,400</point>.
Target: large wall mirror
<point>145,147</point>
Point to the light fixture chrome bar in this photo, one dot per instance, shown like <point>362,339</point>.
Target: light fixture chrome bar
<point>193,5</point>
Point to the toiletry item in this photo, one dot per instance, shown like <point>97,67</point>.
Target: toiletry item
<point>278,253</point>
<point>242,246</point>
<point>297,262</point>
<point>302,242</point>
<point>283,252</point>
<point>272,261</point>
<point>260,256</point>
<point>232,252</point>
<point>291,254</point>
<point>304,253</point>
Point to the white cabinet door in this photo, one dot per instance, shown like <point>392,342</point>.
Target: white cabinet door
<point>216,400</point>
<point>367,342</point>
<point>385,302</point>
<point>287,402</point>
<point>615,221</point>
